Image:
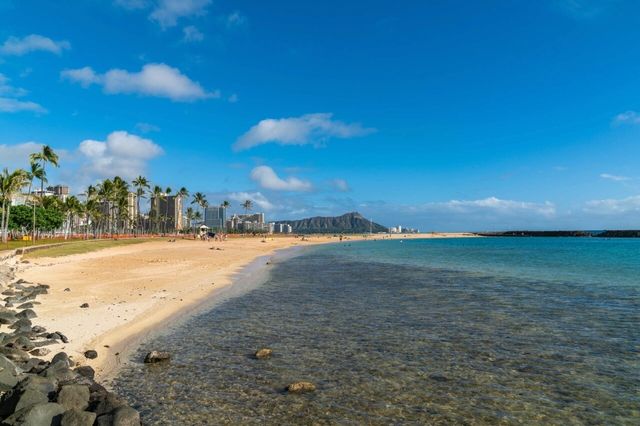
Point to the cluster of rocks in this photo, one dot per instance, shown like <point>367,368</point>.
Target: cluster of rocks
<point>295,387</point>
<point>39,392</point>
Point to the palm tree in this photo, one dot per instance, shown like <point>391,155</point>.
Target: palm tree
<point>201,200</point>
<point>71,207</point>
<point>46,155</point>
<point>10,185</point>
<point>142,184</point>
<point>167,192</point>
<point>36,172</point>
<point>225,205</point>
<point>106,194</point>
<point>189,214</point>
<point>157,195</point>
<point>247,206</point>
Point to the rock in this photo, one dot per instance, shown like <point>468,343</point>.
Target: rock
<point>86,371</point>
<point>67,289</point>
<point>24,343</point>
<point>39,414</point>
<point>84,305</point>
<point>91,354</point>
<point>439,378</point>
<point>156,356</point>
<point>45,385</point>
<point>62,337</point>
<point>301,387</point>
<point>74,396</point>
<point>23,325</point>
<point>15,354</point>
<point>126,416</point>
<point>60,371</point>
<point>9,373</point>
<point>40,352</point>
<point>38,329</point>
<point>123,416</point>
<point>18,400</point>
<point>27,313</point>
<point>7,317</point>
<point>27,305</point>
<point>61,356</point>
<point>263,353</point>
<point>109,403</point>
<point>77,418</point>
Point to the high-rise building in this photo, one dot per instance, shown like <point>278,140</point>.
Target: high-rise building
<point>215,217</point>
<point>168,207</point>
<point>132,209</point>
<point>60,191</point>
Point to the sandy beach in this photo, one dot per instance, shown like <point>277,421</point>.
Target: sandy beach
<point>136,289</point>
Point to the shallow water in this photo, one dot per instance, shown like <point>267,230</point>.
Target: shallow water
<point>391,333</point>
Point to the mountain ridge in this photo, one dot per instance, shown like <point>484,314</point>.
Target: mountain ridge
<point>351,223</point>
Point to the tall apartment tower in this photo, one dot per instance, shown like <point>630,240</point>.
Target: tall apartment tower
<point>215,217</point>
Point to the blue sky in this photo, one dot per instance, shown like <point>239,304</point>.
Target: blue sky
<point>457,115</point>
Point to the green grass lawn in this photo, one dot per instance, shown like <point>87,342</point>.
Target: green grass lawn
<point>78,247</point>
<point>12,245</point>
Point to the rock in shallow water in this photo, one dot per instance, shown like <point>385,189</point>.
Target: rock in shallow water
<point>156,356</point>
<point>263,353</point>
<point>301,387</point>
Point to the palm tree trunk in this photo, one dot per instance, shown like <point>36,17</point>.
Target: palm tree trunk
<point>2,221</point>
<point>6,223</point>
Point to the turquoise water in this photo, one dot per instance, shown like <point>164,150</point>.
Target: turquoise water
<point>465,331</point>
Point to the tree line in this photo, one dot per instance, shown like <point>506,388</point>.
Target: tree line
<point>106,208</point>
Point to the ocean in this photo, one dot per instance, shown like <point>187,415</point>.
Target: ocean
<point>437,331</point>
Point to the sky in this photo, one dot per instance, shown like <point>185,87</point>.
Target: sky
<point>445,116</point>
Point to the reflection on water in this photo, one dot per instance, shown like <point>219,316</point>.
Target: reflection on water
<point>392,344</point>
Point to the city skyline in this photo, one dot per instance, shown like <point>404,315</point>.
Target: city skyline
<point>448,117</point>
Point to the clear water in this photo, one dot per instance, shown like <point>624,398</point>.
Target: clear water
<point>469,331</point>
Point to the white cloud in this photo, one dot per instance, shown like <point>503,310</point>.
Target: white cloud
<point>167,12</point>
<point>31,43</point>
<point>7,90</point>
<point>159,80</point>
<point>309,128</point>
<point>267,178</point>
<point>492,205</point>
<point>15,105</point>
<point>614,177</point>
<point>627,117</point>
<point>9,104</point>
<point>85,76</point>
<point>235,19</point>
<point>191,33</point>
<point>256,197</point>
<point>17,155</point>
<point>132,4</point>
<point>614,206</point>
<point>122,154</point>
<point>341,185</point>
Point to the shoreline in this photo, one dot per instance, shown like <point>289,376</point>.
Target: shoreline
<point>132,292</point>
